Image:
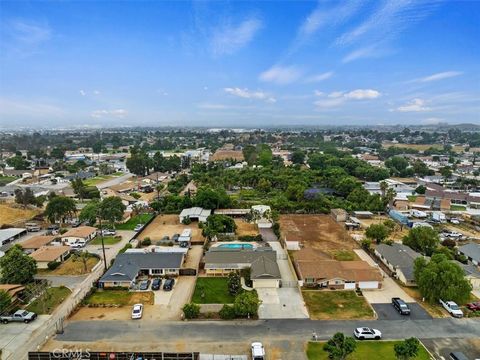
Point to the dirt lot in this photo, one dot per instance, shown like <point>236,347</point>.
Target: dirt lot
<point>169,225</point>
<point>14,214</point>
<point>222,154</point>
<point>396,235</point>
<point>320,232</point>
<point>245,228</point>
<point>423,147</point>
<point>71,267</point>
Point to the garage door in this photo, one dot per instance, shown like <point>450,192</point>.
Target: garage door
<point>350,286</point>
<point>368,284</point>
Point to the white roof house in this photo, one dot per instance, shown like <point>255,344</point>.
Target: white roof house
<point>195,213</point>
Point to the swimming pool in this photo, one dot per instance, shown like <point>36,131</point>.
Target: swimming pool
<point>236,246</point>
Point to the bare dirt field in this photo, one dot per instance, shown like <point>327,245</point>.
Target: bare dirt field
<point>71,267</point>
<point>396,235</point>
<point>423,147</point>
<point>222,154</point>
<point>14,215</point>
<point>319,232</point>
<point>245,228</point>
<point>167,225</point>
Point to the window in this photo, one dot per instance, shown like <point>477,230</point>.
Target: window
<point>157,271</point>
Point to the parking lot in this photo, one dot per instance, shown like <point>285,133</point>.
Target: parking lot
<point>388,312</point>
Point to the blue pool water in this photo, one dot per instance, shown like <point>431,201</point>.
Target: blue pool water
<point>236,246</point>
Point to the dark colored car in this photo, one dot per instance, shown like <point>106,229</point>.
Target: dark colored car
<point>144,285</point>
<point>175,237</point>
<point>401,306</point>
<point>156,283</point>
<point>474,306</point>
<point>168,284</point>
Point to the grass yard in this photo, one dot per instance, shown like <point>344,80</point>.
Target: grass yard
<point>458,208</point>
<point>101,178</point>
<point>107,240</point>
<point>52,297</point>
<point>119,298</point>
<point>371,350</point>
<point>4,180</point>
<point>338,305</point>
<point>215,291</point>
<point>344,255</point>
<point>412,198</point>
<point>134,221</point>
<point>70,267</point>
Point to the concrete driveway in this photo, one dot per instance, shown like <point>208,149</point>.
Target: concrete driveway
<point>168,304</point>
<point>284,302</point>
<point>388,312</point>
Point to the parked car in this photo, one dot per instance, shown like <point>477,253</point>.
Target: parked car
<point>457,355</point>
<point>175,237</point>
<point>474,306</point>
<point>138,227</point>
<point>168,284</point>
<point>19,316</point>
<point>365,333</point>
<point>144,285</point>
<point>76,246</point>
<point>455,221</point>
<point>401,306</point>
<point>452,308</point>
<point>137,311</point>
<point>258,351</point>
<point>156,283</point>
<point>32,227</point>
<point>53,227</point>
<point>108,232</point>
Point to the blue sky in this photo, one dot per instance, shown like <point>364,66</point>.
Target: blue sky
<point>239,63</point>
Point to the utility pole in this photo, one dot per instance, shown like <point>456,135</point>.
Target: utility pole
<point>103,244</point>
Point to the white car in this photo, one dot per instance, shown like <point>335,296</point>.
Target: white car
<point>76,245</point>
<point>452,308</point>
<point>108,232</point>
<point>137,311</point>
<point>455,221</point>
<point>365,333</point>
<point>138,227</point>
<point>258,351</point>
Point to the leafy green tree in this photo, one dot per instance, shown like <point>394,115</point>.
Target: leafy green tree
<point>421,189</point>
<point>57,153</point>
<point>377,232</point>
<point>210,198</point>
<point>139,162</point>
<point>234,285</point>
<point>59,208</point>
<point>17,267</point>
<point>246,304</point>
<point>422,239</point>
<point>111,209</point>
<point>441,278</point>
<point>298,157</point>
<point>5,301</point>
<point>218,224</point>
<point>340,346</point>
<point>89,213</point>
<point>18,162</point>
<point>79,188</point>
<point>25,197</point>
<point>82,257</point>
<point>407,349</point>
<point>191,310</point>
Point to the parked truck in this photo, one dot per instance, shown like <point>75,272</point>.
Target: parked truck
<point>452,308</point>
<point>439,217</point>
<point>19,316</point>
<point>418,214</point>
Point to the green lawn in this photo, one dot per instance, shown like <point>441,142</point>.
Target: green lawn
<point>458,208</point>
<point>344,255</point>
<point>214,289</point>
<point>338,304</point>
<point>412,198</point>
<point>131,223</point>
<point>119,298</point>
<point>371,350</point>
<point>4,180</point>
<point>52,297</point>
<point>107,240</point>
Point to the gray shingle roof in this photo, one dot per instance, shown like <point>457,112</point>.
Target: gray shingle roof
<point>217,256</point>
<point>471,250</point>
<point>265,268</point>
<point>400,256</point>
<point>127,265</point>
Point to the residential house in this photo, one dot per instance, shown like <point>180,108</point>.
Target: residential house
<point>472,252</point>
<point>472,274</point>
<point>14,290</point>
<point>36,242</point>
<point>315,270</point>
<point>399,259</point>
<point>48,254</point>
<point>264,271</point>
<point>128,266</point>
<point>80,235</point>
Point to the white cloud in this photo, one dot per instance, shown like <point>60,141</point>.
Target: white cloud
<point>439,76</point>
<point>415,105</point>
<point>29,32</point>
<point>247,94</point>
<point>82,92</point>
<point>281,74</point>
<point>363,52</point>
<point>337,98</point>
<point>361,94</point>
<point>96,92</point>
<point>115,113</point>
<point>319,77</point>
<point>228,39</point>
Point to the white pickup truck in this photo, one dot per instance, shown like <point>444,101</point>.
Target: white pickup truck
<point>19,316</point>
<point>452,308</point>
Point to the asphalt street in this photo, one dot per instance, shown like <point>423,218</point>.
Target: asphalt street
<point>388,312</point>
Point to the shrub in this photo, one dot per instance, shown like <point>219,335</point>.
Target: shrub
<point>191,310</point>
<point>62,231</point>
<point>227,312</point>
<point>366,244</point>
<point>246,304</point>
<point>250,238</point>
<point>449,243</point>
<point>52,265</point>
<point>186,221</point>
<point>125,248</point>
<point>146,242</point>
